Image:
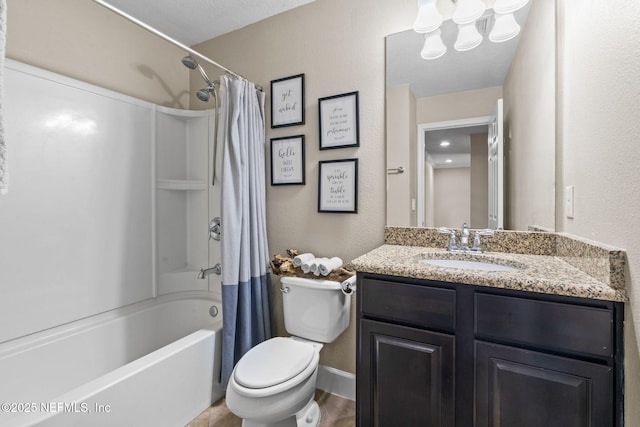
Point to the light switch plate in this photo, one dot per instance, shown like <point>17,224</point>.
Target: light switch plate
<point>568,201</point>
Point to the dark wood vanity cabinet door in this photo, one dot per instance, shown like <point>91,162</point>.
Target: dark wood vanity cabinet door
<point>405,376</point>
<point>516,387</point>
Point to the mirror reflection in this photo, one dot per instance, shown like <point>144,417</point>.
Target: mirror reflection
<point>454,99</point>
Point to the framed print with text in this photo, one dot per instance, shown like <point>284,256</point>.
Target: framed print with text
<point>338,186</point>
<point>287,101</point>
<point>287,160</point>
<point>339,123</point>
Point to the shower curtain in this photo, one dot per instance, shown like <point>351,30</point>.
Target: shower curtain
<point>245,278</point>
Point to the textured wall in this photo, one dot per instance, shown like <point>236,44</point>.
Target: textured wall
<point>85,41</point>
<point>598,141</point>
<point>339,46</point>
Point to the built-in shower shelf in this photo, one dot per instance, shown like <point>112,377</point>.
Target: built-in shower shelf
<point>181,184</point>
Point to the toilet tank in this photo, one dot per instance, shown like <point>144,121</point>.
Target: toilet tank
<point>315,309</point>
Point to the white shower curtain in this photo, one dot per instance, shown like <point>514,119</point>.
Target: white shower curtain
<point>245,278</point>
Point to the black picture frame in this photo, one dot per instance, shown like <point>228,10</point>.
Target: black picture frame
<point>338,186</point>
<point>287,101</point>
<point>288,160</point>
<point>339,120</point>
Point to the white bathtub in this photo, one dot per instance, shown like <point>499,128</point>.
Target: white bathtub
<point>152,363</point>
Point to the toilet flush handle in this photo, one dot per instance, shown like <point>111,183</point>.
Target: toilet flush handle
<point>284,289</point>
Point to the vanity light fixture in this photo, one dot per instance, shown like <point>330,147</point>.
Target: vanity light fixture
<point>429,18</point>
<point>466,14</point>
<point>445,144</point>
<point>448,161</point>
<point>433,45</point>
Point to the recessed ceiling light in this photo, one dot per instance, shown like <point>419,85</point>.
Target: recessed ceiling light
<point>448,161</point>
<point>445,144</point>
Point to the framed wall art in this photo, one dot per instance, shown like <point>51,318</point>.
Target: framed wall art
<point>338,186</point>
<point>287,160</point>
<point>287,101</point>
<point>339,123</point>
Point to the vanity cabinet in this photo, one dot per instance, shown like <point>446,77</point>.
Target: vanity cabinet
<point>445,354</point>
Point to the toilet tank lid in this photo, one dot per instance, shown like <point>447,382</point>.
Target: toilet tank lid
<point>273,362</point>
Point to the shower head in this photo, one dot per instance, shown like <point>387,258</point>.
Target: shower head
<point>203,94</point>
<point>189,62</point>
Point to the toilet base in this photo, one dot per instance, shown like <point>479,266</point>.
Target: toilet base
<point>309,416</point>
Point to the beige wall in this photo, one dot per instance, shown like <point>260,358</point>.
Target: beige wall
<point>401,151</point>
<point>85,41</point>
<point>455,106</point>
<point>452,188</point>
<point>598,141</point>
<point>339,46</point>
<point>529,116</point>
<point>479,185</point>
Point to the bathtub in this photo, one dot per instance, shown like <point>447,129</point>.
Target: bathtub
<point>152,363</point>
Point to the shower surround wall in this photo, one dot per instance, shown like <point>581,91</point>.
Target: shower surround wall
<point>78,228</point>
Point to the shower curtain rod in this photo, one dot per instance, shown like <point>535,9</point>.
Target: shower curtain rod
<point>170,40</point>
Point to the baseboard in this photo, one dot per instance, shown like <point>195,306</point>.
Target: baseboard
<point>336,382</point>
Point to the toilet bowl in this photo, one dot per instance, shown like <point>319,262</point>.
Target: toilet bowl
<point>273,384</point>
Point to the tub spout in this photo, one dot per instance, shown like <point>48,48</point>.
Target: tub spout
<point>204,272</point>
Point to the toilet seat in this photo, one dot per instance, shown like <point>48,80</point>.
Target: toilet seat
<point>273,362</point>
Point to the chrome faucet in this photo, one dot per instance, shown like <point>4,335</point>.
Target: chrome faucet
<point>464,239</point>
<point>204,272</point>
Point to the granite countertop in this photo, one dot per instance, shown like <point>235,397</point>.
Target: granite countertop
<point>535,273</point>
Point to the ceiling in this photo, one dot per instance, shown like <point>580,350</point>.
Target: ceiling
<point>193,21</point>
<point>459,150</point>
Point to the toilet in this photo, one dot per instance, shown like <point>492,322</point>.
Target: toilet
<point>274,383</point>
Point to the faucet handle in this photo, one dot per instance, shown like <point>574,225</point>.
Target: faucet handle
<point>452,237</point>
<point>476,238</point>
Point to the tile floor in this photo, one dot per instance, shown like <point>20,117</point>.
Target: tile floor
<point>334,411</point>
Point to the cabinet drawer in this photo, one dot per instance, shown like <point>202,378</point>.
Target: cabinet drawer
<point>423,306</point>
<point>556,326</point>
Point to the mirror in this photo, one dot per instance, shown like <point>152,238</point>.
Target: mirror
<point>450,99</point>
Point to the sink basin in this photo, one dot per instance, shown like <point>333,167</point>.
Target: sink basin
<point>468,265</point>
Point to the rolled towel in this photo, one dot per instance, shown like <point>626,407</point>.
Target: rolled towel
<point>302,258</point>
<point>310,266</point>
<point>306,266</point>
<point>315,265</point>
<point>329,265</point>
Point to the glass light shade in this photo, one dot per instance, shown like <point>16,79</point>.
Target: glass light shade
<point>508,6</point>
<point>433,45</point>
<point>429,18</point>
<point>468,11</point>
<point>505,28</point>
<point>468,37</point>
